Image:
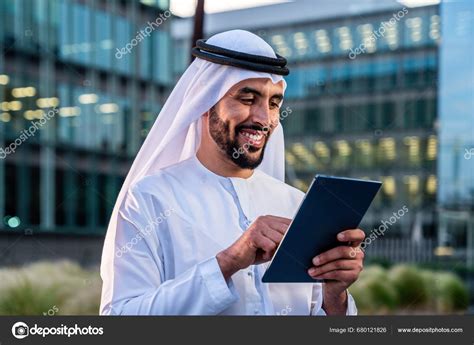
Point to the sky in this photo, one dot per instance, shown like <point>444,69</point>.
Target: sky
<point>185,8</point>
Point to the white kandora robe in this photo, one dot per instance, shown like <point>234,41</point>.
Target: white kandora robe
<point>172,216</point>
<point>171,226</point>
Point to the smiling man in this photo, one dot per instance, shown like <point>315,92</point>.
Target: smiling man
<point>204,205</point>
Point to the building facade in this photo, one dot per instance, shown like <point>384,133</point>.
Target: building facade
<point>456,123</point>
<point>81,83</point>
<point>361,98</point>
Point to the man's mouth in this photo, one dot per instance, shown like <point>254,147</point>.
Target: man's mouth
<point>253,137</point>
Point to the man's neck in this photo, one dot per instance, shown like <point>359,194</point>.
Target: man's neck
<point>220,165</point>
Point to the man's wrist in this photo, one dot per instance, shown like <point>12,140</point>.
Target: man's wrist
<point>334,303</point>
<point>227,263</point>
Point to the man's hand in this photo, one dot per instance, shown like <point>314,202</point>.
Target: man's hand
<point>341,267</point>
<point>256,245</point>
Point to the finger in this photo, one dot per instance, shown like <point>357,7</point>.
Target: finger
<point>278,223</point>
<point>355,236</point>
<point>341,252</point>
<point>345,276</point>
<point>284,220</point>
<point>278,226</point>
<point>273,235</point>
<point>268,255</point>
<point>265,243</point>
<point>333,265</point>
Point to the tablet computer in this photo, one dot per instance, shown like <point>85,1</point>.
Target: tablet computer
<point>331,205</point>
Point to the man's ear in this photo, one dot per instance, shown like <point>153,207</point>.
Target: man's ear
<point>205,120</point>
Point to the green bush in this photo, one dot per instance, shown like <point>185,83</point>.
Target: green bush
<point>410,285</point>
<point>24,299</point>
<point>405,288</point>
<point>61,288</point>
<point>429,278</point>
<point>373,292</point>
<point>64,288</point>
<point>453,295</point>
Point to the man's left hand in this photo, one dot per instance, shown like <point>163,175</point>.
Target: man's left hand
<point>340,267</point>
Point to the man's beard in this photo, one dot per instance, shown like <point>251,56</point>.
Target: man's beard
<point>220,132</point>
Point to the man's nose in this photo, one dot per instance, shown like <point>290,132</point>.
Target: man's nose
<point>262,115</point>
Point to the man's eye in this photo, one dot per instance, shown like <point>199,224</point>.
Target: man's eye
<point>247,100</point>
<point>274,105</point>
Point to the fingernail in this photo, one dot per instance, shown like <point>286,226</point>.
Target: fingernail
<point>341,237</point>
<point>311,271</point>
<point>316,260</point>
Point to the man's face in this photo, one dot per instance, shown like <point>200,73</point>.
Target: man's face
<point>243,120</point>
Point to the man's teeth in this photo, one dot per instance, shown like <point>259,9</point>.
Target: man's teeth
<point>256,137</point>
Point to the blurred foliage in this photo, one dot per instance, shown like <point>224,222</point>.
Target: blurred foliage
<point>44,288</point>
<point>406,289</point>
<point>385,263</point>
<point>64,288</point>
<point>458,267</point>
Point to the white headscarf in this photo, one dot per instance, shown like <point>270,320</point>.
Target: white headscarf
<point>175,135</point>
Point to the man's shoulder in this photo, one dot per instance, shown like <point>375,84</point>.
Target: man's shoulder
<point>163,177</point>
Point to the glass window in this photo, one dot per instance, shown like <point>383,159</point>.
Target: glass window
<point>82,41</point>
<point>343,39</point>
<point>19,20</point>
<point>65,30</point>
<point>282,44</point>
<point>294,81</point>
<point>434,33</point>
<point>104,44</point>
<point>388,115</point>
<point>314,121</point>
<point>360,72</point>
<point>340,77</point>
<point>323,37</point>
<point>145,65</point>
<point>181,56</point>
<point>385,71</point>
<point>111,126</point>
<point>367,38</point>
<point>391,35</point>
<point>416,29</point>
<point>364,153</point>
<point>295,124</point>
<point>342,154</point>
<point>64,124</point>
<point>123,32</point>
<point>416,69</point>
<point>162,63</point>
<point>148,114</point>
<point>7,26</point>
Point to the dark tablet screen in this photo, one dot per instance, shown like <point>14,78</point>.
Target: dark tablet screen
<point>331,205</point>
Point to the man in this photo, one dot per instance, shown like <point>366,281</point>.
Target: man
<point>204,207</point>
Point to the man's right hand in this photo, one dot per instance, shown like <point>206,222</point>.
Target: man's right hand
<point>256,245</point>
